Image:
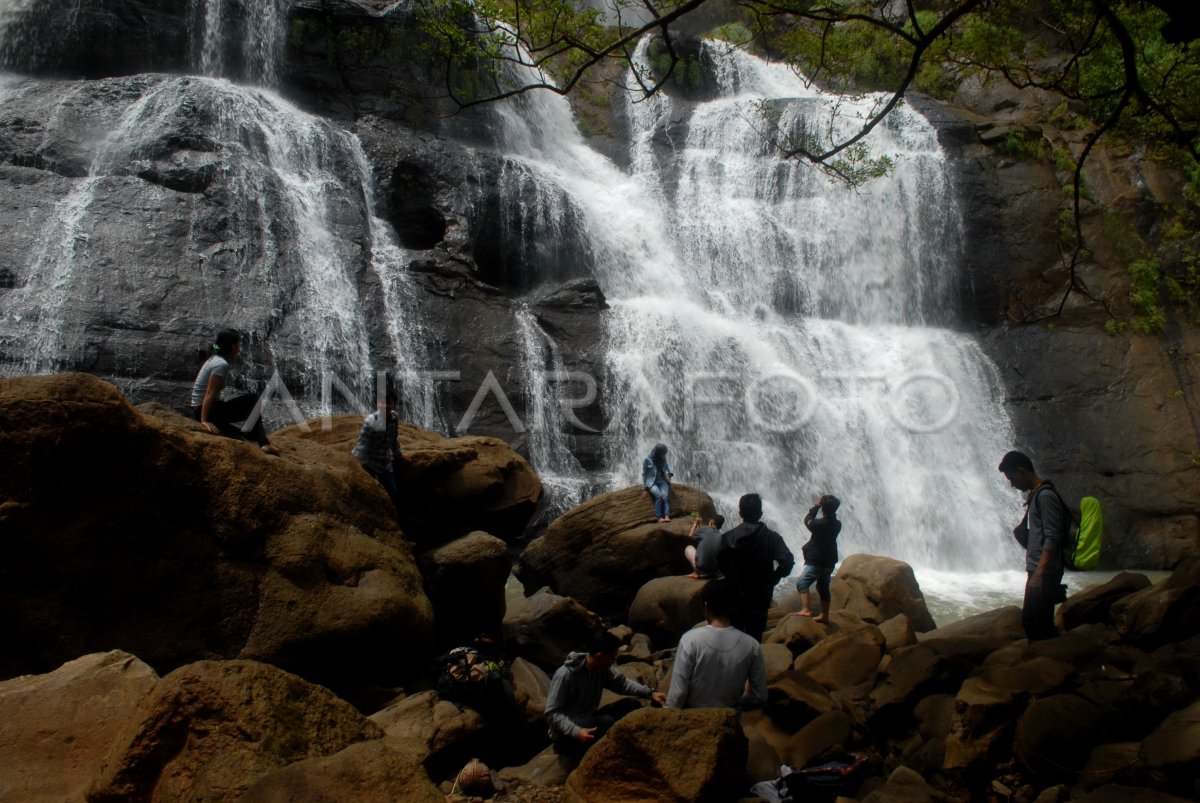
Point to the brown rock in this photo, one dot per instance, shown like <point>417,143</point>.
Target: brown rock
<point>1116,793</point>
<point>449,486</point>
<point>450,734</point>
<point>766,741</point>
<point>57,729</point>
<point>997,627</point>
<point>778,659</point>
<point>641,672</point>
<point>545,627</point>
<point>936,665</point>
<point>852,597</point>
<point>1168,611</point>
<point>547,768</point>
<point>1114,763</point>
<point>1173,750</point>
<point>935,715</point>
<point>844,661</point>
<point>987,706</point>
<point>193,546</point>
<point>1092,605</point>
<point>794,700</point>
<point>1057,732</point>
<point>209,730</point>
<point>695,755</point>
<point>667,607</point>
<point>530,687</point>
<point>829,730</point>
<point>1166,541</point>
<point>904,786</point>
<point>465,581</point>
<point>890,586</point>
<point>897,632</point>
<point>379,771</point>
<point>797,633</point>
<point>604,550</point>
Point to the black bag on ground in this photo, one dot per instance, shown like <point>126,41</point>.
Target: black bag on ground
<point>827,778</point>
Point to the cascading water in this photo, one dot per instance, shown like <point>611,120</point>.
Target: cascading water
<point>260,26</point>
<point>775,328</point>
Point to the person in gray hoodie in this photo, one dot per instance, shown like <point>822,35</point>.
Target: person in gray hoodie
<point>575,695</point>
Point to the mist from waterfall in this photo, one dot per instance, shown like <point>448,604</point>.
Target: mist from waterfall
<point>782,333</point>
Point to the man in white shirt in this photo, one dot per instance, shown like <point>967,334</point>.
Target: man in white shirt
<point>718,666</point>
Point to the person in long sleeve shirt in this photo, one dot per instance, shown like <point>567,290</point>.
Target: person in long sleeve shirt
<point>718,666</point>
<point>820,554</point>
<point>575,694</point>
<point>1042,533</point>
<point>754,558</point>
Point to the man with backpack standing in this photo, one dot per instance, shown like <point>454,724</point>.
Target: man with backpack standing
<point>754,558</point>
<point>1042,533</point>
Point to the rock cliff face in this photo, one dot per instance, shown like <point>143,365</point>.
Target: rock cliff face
<point>192,202</point>
<point>1104,410</point>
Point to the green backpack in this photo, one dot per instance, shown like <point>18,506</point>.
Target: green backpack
<point>1080,549</point>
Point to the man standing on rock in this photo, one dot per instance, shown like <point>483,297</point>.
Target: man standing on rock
<point>1041,532</point>
<point>754,558</point>
<point>718,666</point>
<point>575,694</point>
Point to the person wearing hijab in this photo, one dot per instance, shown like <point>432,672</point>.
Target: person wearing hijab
<point>656,477</point>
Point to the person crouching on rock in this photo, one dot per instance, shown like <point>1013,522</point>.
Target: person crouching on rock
<point>378,448</point>
<point>575,695</point>
<point>215,413</point>
<point>820,554</point>
<point>707,540</point>
<point>656,477</point>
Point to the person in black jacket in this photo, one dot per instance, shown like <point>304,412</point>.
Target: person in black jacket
<point>754,558</point>
<point>820,554</point>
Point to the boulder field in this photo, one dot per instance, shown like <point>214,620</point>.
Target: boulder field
<point>186,619</point>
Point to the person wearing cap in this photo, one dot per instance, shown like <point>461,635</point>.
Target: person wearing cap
<point>820,554</point>
<point>754,558</point>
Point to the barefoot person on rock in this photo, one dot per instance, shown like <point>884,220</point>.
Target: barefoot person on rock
<point>217,414</point>
<point>656,477</point>
<point>820,554</point>
<point>706,545</point>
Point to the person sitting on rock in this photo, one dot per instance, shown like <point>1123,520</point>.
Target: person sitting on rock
<point>703,554</point>
<point>378,447</point>
<point>575,694</point>
<point>755,559</point>
<point>656,477</point>
<point>820,554</point>
<point>217,414</point>
<point>718,666</point>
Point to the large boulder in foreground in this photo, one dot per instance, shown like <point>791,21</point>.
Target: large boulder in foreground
<point>1093,605</point>
<point>121,530</point>
<point>209,730</point>
<point>379,771</point>
<point>446,731</point>
<point>603,551</point>
<point>57,729</point>
<point>1168,611</point>
<point>697,755</point>
<point>890,586</point>
<point>448,486</point>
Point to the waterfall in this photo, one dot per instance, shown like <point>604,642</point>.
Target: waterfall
<point>294,195</point>
<point>258,27</point>
<point>782,333</point>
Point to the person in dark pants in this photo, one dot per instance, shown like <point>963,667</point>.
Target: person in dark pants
<point>820,554</point>
<point>754,558</point>
<point>378,447</point>
<point>1041,532</point>
<point>575,692</point>
<point>215,413</point>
